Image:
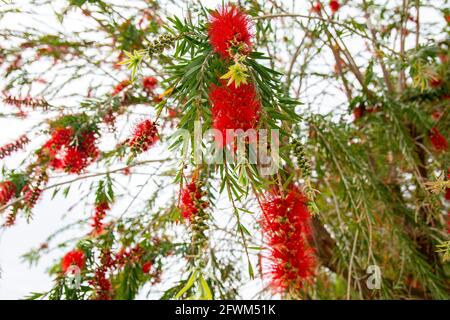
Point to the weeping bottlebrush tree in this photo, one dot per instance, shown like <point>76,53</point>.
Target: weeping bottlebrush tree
<point>215,151</point>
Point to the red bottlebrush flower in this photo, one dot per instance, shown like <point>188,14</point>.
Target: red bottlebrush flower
<point>317,7</point>
<point>103,286</point>
<point>9,148</point>
<point>234,108</point>
<point>190,200</point>
<point>149,83</point>
<point>77,158</point>
<point>438,140</point>
<point>146,267</point>
<point>285,221</point>
<point>145,135</point>
<point>447,18</point>
<point>63,155</point>
<point>334,6</point>
<point>120,87</point>
<point>32,195</point>
<point>229,32</point>
<point>97,220</point>
<point>73,258</point>
<point>7,191</point>
<point>60,138</point>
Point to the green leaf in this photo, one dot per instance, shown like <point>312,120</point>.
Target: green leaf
<point>205,288</point>
<point>188,285</point>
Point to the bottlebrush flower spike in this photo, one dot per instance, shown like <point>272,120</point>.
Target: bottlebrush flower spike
<point>234,107</point>
<point>438,140</point>
<point>27,101</point>
<point>97,221</point>
<point>62,154</point>
<point>33,192</point>
<point>77,158</point>
<point>229,32</point>
<point>9,148</point>
<point>286,224</point>
<point>145,135</point>
<point>191,200</point>
<point>7,191</point>
<point>73,258</point>
<point>334,6</point>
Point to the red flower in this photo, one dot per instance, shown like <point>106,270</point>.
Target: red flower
<point>73,258</point>
<point>149,83</point>
<point>145,135</point>
<point>7,191</point>
<point>438,140</point>
<point>77,158</point>
<point>234,108</point>
<point>99,215</point>
<point>103,286</point>
<point>317,7</point>
<point>229,31</point>
<point>146,267</point>
<point>285,222</point>
<point>334,6</point>
<point>120,87</point>
<point>190,200</point>
<point>64,155</point>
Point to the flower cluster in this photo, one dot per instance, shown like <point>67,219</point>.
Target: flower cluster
<point>63,153</point>
<point>191,200</point>
<point>73,258</point>
<point>235,104</point>
<point>9,148</point>
<point>99,215</point>
<point>7,191</point>
<point>285,221</point>
<point>234,108</point>
<point>145,135</point>
<point>438,140</point>
<point>229,32</point>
